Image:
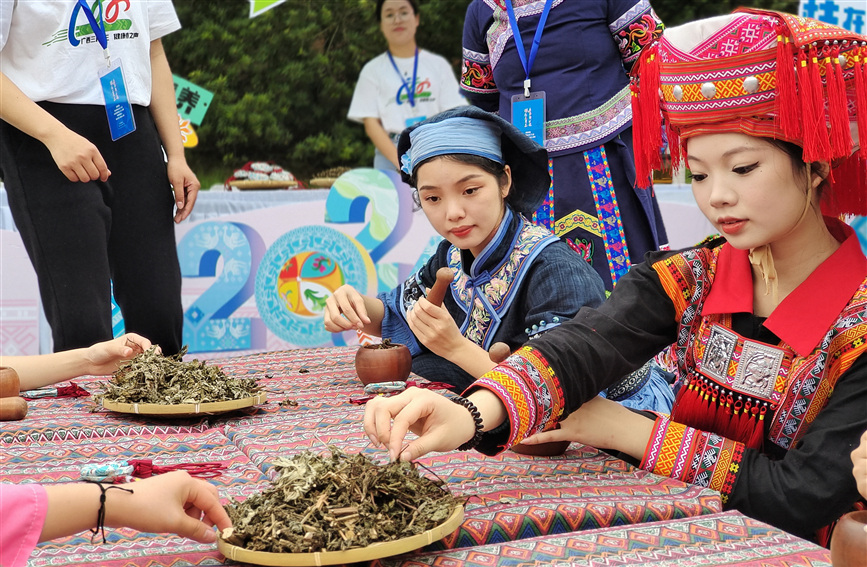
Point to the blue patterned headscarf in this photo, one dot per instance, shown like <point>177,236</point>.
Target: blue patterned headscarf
<point>459,135</point>
<point>471,130</point>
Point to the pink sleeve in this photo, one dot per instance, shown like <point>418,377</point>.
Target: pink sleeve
<point>23,508</point>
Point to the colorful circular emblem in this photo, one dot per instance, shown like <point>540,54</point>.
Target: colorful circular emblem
<point>299,272</point>
<point>307,280</point>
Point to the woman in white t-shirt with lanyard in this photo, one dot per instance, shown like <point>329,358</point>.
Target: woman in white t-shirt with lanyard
<point>88,108</point>
<point>402,86</point>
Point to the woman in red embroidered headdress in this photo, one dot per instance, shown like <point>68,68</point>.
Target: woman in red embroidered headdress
<point>768,323</point>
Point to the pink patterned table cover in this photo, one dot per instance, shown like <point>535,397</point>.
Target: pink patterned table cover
<point>61,462</point>
<point>508,497</point>
<point>723,539</point>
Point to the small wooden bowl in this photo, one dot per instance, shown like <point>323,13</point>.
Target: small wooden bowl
<point>552,449</point>
<point>849,541</point>
<point>10,385</point>
<point>383,363</point>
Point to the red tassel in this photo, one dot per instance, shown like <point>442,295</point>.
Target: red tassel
<point>807,112</point>
<point>145,468</point>
<point>757,435</point>
<point>823,147</point>
<point>648,98</point>
<point>642,168</point>
<point>838,106</point>
<point>700,420</point>
<point>724,413</point>
<point>720,418</point>
<point>787,106</point>
<point>748,422</point>
<point>646,118</point>
<point>861,96</point>
<point>687,404</point>
<point>742,424</point>
<point>674,147</point>
<point>849,194</point>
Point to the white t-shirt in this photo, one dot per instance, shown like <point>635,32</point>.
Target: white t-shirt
<point>36,55</point>
<point>378,84</point>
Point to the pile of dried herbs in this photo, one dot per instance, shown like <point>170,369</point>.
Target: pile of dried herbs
<point>152,378</point>
<point>336,503</point>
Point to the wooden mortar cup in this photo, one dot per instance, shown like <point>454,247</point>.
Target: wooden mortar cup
<point>849,540</point>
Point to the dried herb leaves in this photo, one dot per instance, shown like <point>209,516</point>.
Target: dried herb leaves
<point>153,378</point>
<point>337,503</point>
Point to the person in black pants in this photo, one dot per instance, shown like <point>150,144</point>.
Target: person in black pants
<point>93,211</point>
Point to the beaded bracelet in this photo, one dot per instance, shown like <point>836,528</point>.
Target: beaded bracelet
<point>100,515</point>
<point>477,418</point>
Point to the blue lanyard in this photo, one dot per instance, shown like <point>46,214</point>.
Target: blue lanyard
<point>410,92</point>
<point>98,27</point>
<point>519,43</point>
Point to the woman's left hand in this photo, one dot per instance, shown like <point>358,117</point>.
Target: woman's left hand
<point>434,327</point>
<point>601,423</point>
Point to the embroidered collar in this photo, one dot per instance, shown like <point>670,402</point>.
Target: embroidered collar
<point>496,252</point>
<point>806,314</point>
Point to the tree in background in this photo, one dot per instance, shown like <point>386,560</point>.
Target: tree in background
<point>282,81</point>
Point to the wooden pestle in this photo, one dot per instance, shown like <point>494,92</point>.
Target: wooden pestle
<point>499,351</point>
<point>438,292</point>
<point>12,406</point>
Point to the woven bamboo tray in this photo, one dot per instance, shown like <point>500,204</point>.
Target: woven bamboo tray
<point>185,410</point>
<point>373,551</point>
<point>244,184</point>
<point>322,182</point>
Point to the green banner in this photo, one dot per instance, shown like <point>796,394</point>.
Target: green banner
<point>192,100</point>
<point>259,6</point>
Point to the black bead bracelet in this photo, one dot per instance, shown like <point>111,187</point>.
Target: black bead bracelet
<point>477,418</point>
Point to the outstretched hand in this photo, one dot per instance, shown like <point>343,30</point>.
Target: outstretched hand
<point>345,310</point>
<point>173,502</point>
<point>603,424</point>
<point>105,357</point>
<point>441,425</point>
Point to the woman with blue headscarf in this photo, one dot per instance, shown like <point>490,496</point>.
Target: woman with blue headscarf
<point>476,177</point>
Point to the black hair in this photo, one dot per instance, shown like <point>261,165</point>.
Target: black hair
<point>487,165</point>
<point>379,3</point>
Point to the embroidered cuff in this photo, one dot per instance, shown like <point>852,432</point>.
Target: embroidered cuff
<point>530,391</point>
<point>697,457</point>
<point>478,73</point>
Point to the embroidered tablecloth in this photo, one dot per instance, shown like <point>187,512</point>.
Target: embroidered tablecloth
<point>509,497</point>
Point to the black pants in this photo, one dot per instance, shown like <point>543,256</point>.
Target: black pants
<point>82,236</point>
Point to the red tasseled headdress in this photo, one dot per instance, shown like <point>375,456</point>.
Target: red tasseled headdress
<point>760,73</point>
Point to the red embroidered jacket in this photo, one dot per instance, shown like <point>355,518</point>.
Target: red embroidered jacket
<point>767,410</point>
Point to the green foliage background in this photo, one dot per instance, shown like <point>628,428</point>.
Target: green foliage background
<point>282,81</point>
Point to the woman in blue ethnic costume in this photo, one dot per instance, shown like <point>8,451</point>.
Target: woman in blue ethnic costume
<point>769,323</point>
<point>581,64</point>
<point>512,279</point>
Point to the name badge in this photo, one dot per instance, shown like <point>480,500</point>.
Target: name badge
<point>117,108</point>
<point>415,120</point>
<point>528,115</point>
